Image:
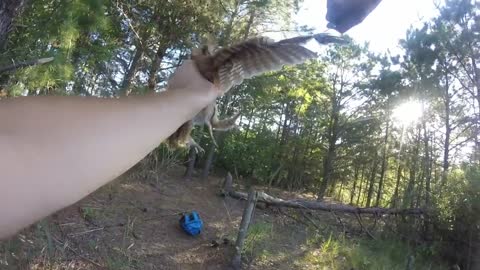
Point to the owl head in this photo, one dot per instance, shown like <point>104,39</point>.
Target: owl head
<point>208,46</point>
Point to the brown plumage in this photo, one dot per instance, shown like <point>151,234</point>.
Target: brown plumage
<point>208,116</point>
<point>227,67</point>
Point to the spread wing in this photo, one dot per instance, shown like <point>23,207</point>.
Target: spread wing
<point>259,55</point>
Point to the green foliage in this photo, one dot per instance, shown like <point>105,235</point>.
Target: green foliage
<point>320,127</point>
<point>256,243</point>
<point>366,254</point>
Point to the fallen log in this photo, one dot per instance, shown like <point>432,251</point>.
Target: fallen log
<point>316,205</point>
<point>242,232</point>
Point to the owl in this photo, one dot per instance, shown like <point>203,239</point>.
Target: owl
<point>207,116</point>
<point>229,66</point>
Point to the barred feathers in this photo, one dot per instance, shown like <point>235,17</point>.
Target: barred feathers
<point>259,55</point>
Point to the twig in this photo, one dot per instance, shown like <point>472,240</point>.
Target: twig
<point>167,215</point>
<point>340,221</point>
<point>311,220</point>
<point>77,254</point>
<point>228,212</point>
<point>363,227</point>
<point>86,232</point>
<point>292,217</point>
<point>130,24</point>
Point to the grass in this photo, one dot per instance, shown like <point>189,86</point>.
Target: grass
<point>365,254</point>
<point>257,241</point>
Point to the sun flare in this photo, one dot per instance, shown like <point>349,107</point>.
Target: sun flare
<point>407,113</point>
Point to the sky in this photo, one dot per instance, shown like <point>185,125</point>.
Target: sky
<point>383,28</point>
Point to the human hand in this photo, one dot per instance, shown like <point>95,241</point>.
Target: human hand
<point>188,77</point>
<point>345,14</point>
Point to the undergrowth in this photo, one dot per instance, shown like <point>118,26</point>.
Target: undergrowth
<point>339,253</point>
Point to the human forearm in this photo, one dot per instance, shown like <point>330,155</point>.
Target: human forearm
<point>74,145</point>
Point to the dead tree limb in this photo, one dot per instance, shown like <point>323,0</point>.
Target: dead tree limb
<point>340,221</point>
<point>242,232</point>
<point>23,64</point>
<point>311,221</point>
<point>316,205</point>
<point>359,218</point>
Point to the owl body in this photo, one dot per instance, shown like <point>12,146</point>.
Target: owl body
<point>227,67</point>
<point>206,117</point>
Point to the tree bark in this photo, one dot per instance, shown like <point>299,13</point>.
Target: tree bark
<point>448,131</point>
<point>372,181</point>
<point>322,206</point>
<point>355,181</point>
<point>328,165</point>
<point>23,64</point>
<point>192,158</point>
<point>361,186</point>
<point>397,185</point>
<point>9,9</point>
<point>384,168</point>
<point>132,70</point>
<point>409,195</point>
<point>243,230</point>
<point>157,61</point>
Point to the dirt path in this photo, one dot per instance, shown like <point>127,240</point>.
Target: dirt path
<point>133,224</point>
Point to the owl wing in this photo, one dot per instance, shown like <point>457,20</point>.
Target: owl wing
<point>259,55</point>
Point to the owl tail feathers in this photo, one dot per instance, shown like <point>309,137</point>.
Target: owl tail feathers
<point>225,124</point>
<point>324,38</point>
<point>181,136</point>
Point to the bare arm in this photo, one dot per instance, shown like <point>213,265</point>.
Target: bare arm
<point>56,150</point>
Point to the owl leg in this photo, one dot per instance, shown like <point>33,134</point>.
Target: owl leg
<point>195,145</point>
<point>210,130</point>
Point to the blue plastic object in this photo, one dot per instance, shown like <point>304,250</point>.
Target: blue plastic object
<point>191,223</point>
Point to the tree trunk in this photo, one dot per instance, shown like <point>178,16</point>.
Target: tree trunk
<point>397,185</point>
<point>409,195</point>
<point>9,9</point>
<point>219,138</point>
<point>247,130</point>
<point>328,163</point>
<point>372,181</point>
<point>192,158</point>
<point>448,131</point>
<point>132,70</point>
<point>476,73</point>
<point>323,206</point>
<point>249,23</point>
<point>427,168</point>
<point>157,61</point>
<point>384,164</point>
<point>243,230</point>
<point>361,186</point>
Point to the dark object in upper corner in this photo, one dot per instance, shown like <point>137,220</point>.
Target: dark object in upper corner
<point>345,14</point>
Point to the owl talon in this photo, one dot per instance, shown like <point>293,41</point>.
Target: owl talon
<point>199,150</point>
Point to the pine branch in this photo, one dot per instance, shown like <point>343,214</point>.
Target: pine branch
<point>23,64</point>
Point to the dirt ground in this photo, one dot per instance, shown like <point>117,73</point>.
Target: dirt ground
<point>132,223</point>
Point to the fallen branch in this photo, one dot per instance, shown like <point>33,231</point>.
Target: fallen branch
<point>22,64</point>
<point>316,205</point>
<point>311,221</point>
<point>242,232</point>
<point>340,221</point>
<point>359,218</point>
